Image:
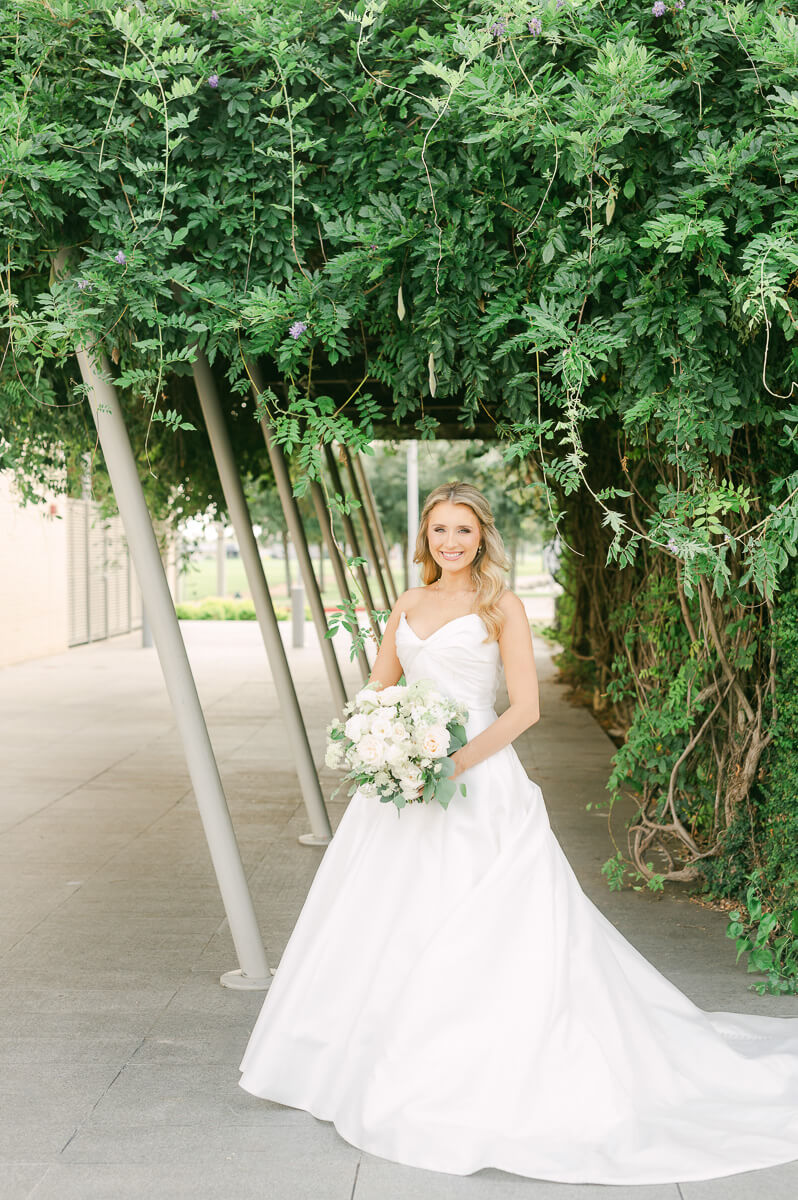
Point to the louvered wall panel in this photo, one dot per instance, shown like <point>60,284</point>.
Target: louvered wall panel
<point>117,577</point>
<point>98,623</point>
<point>77,572</point>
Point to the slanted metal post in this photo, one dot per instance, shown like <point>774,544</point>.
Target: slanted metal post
<point>270,631</point>
<point>412,511</point>
<point>323,517</point>
<point>376,523</point>
<point>254,969</point>
<point>351,537</point>
<point>297,530</point>
<point>366,525</point>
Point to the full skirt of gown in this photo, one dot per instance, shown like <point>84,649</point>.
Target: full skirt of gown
<point>451,999</point>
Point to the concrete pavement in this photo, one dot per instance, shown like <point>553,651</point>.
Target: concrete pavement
<point>119,1050</point>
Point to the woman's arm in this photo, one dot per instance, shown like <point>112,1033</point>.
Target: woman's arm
<point>518,657</point>
<point>387,669</point>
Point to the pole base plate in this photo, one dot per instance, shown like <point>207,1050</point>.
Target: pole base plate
<point>314,839</point>
<point>244,983</point>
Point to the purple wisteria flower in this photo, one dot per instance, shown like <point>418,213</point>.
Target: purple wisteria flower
<point>673,546</point>
<point>499,28</point>
<point>680,3</point>
<point>560,4</point>
<point>214,15</point>
<point>213,81</point>
<point>297,329</point>
<point>120,257</point>
<point>535,26</point>
<point>658,8</point>
<point>83,284</point>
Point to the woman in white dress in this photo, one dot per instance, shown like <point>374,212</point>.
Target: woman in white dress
<point>451,999</point>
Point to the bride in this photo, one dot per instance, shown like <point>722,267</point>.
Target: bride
<point>451,999</point>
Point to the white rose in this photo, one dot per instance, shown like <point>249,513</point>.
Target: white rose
<point>371,751</point>
<point>435,741</point>
<point>355,727</point>
<point>367,698</point>
<point>391,695</point>
<point>395,754</point>
<point>399,732</point>
<point>410,778</point>
<point>381,725</point>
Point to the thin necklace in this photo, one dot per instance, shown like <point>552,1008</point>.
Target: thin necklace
<point>437,588</point>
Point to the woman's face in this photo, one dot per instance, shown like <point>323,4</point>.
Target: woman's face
<point>453,534</point>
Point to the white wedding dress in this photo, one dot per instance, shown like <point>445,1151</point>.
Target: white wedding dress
<point>451,999</point>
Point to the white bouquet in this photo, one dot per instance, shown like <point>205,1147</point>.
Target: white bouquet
<point>395,742</point>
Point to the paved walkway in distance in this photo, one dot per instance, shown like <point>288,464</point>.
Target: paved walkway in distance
<point>119,1050</point>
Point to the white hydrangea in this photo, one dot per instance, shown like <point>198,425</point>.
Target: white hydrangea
<point>335,755</point>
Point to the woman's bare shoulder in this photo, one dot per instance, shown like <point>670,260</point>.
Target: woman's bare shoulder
<point>511,605</point>
<point>408,600</point>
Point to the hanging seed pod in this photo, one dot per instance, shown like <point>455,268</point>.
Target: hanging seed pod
<point>433,382</point>
<point>400,305</point>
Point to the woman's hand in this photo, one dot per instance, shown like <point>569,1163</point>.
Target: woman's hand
<point>460,765</point>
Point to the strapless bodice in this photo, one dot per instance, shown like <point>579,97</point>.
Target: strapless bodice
<point>455,657</point>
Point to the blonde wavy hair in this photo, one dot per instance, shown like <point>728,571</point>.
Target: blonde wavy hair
<point>490,564</point>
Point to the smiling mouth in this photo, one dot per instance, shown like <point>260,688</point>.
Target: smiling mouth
<point>451,557</point>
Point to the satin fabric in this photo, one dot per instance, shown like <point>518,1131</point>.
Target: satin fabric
<point>451,999</point>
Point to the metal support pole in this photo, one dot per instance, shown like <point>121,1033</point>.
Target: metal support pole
<point>298,537</point>
<point>221,562</point>
<point>297,616</point>
<point>146,632</point>
<point>365,522</point>
<point>412,511</point>
<point>270,630</point>
<point>254,969</point>
<point>177,580</point>
<point>339,571</point>
<point>351,537</point>
<point>376,523</point>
